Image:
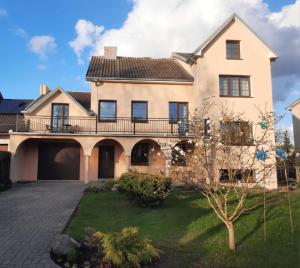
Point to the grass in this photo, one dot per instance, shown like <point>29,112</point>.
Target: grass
<point>190,235</point>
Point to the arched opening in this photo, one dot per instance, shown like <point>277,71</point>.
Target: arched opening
<point>182,153</point>
<point>48,159</point>
<point>182,168</point>
<point>107,160</point>
<point>146,156</point>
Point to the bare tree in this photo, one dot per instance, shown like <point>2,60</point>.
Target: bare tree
<point>231,155</point>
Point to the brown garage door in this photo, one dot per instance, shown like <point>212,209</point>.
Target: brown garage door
<point>58,161</point>
<point>3,147</point>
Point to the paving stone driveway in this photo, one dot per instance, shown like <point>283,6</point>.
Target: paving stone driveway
<point>31,215</point>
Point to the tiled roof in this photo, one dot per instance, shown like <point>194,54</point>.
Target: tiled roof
<point>83,98</point>
<point>127,68</point>
<point>13,106</point>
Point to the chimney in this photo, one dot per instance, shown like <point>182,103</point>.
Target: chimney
<point>44,89</point>
<point>110,53</point>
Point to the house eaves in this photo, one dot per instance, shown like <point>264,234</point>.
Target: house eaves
<point>292,105</point>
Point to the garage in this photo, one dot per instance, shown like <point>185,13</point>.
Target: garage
<point>58,161</point>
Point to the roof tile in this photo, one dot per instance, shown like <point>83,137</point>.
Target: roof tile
<point>128,68</point>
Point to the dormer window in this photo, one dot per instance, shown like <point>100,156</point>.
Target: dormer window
<point>233,50</point>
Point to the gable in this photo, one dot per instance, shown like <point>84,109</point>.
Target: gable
<point>43,105</point>
<point>235,28</point>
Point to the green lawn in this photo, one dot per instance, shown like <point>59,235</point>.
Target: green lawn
<point>190,235</point>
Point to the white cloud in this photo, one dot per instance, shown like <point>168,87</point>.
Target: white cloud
<point>42,45</point>
<point>156,28</point>
<point>87,34</point>
<point>288,16</point>
<point>20,32</point>
<point>3,12</point>
<point>41,67</point>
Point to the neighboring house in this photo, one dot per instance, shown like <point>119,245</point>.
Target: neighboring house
<point>295,109</point>
<point>134,102</point>
<point>9,110</point>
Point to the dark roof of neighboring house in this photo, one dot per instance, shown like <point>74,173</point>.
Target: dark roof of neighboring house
<point>83,98</point>
<point>7,122</point>
<point>13,106</point>
<point>129,68</point>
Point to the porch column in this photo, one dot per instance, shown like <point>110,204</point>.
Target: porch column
<point>86,168</point>
<point>167,167</point>
<point>128,162</point>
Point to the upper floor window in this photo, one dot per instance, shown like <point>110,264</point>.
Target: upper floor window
<point>107,110</point>
<point>237,133</point>
<point>139,111</point>
<point>60,116</point>
<point>177,111</point>
<point>233,49</point>
<point>234,86</point>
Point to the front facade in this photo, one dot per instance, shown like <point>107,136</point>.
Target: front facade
<point>134,103</point>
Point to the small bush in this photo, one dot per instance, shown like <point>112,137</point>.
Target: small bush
<point>148,190</point>
<point>128,249</point>
<point>105,187</point>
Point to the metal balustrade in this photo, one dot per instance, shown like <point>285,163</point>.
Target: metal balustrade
<point>92,125</point>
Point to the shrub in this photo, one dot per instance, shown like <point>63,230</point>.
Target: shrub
<point>105,187</point>
<point>148,190</point>
<point>128,249</point>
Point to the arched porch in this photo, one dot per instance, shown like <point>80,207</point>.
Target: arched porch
<point>36,159</point>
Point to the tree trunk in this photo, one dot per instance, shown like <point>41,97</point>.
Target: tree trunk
<point>231,235</point>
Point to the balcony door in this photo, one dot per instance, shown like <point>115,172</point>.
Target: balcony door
<point>59,117</point>
<point>178,114</point>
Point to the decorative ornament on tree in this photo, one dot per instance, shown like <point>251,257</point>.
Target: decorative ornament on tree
<point>281,154</point>
<point>261,154</point>
<point>264,124</point>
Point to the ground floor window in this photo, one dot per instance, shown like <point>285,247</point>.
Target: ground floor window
<point>236,175</point>
<point>140,154</point>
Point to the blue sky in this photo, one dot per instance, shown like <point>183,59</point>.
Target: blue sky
<point>23,68</point>
<point>21,76</point>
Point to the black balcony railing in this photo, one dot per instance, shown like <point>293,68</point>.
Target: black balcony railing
<point>91,125</point>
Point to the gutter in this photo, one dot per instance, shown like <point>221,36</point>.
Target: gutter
<point>139,81</point>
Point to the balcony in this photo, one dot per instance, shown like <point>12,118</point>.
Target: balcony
<point>122,126</point>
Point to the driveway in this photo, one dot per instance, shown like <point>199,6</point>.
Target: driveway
<point>31,216</point>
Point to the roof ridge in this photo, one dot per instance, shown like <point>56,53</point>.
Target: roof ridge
<point>129,57</point>
<point>72,91</point>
